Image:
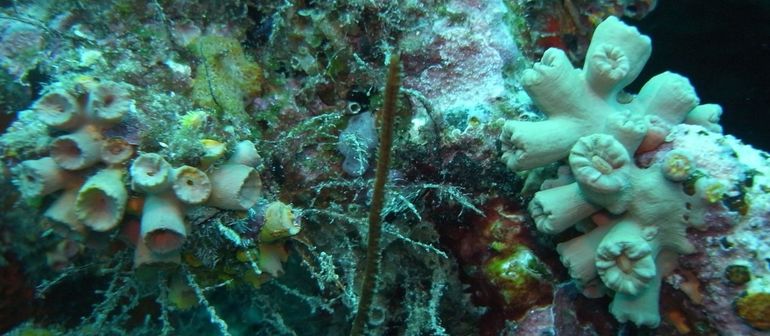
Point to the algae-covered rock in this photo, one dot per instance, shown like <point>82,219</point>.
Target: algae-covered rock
<point>519,275</point>
<point>225,78</point>
<point>754,307</point>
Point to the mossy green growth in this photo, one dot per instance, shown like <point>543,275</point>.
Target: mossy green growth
<point>32,331</point>
<point>518,274</point>
<point>754,308</point>
<point>225,79</point>
<point>516,21</point>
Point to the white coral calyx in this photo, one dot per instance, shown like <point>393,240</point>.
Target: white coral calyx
<point>58,109</point>
<point>552,66</point>
<point>513,149</point>
<point>150,173</point>
<point>626,266</point>
<point>108,103</point>
<point>706,115</point>
<point>554,210</point>
<point>596,161</point>
<point>611,62</point>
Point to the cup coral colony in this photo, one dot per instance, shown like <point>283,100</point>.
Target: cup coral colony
<point>637,213</point>
<point>217,179</point>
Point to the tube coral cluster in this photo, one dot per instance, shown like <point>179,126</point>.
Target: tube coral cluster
<point>234,185</point>
<point>90,199</point>
<point>89,167</point>
<point>635,215</point>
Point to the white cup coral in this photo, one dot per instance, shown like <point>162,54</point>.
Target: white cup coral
<point>191,185</point>
<point>108,103</point>
<point>581,102</point>
<point>78,150</point>
<point>59,109</point>
<point>163,229</point>
<point>235,187</point>
<point>150,173</point>
<point>101,201</point>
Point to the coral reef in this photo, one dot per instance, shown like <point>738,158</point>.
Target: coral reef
<point>203,78</point>
<point>190,167</point>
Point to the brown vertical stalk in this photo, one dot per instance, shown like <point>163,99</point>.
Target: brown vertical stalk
<point>387,116</point>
